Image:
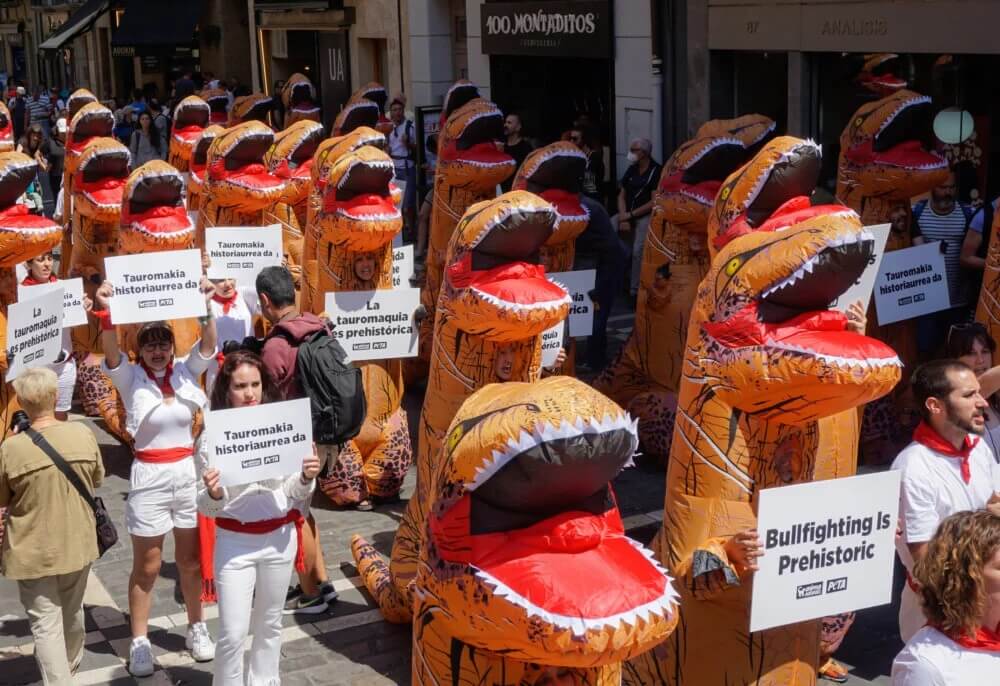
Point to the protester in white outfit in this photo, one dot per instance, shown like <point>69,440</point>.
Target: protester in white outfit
<point>40,272</point>
<point>959,577</point>
<point>946,469</point>
<point>258,530</point>
<point>161,396</point>
<point>234,310</point>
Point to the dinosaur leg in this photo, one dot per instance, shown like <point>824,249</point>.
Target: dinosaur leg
<point>385,468</point>
<point>91,383</point>
<point>656,412</point>
<point>390,583</point>
<point>345,485</point>
<point>112,410</point>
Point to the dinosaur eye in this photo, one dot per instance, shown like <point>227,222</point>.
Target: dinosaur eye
<point>858,121</point>
<point>725,192</point>
<point>732,265</point>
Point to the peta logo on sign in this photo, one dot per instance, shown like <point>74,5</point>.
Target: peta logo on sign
<point>835,585</point>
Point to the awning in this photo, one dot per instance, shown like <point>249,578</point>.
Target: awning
<point>157,23</point>
<point>80,21</point>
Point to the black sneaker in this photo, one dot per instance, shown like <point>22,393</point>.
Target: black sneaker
<point>328,592</point>
<point>306,605</point>
<point>293,592</point>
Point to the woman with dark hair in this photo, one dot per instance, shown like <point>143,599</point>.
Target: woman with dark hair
<point>162,397</point>
<point>972,344</point>
<point>146,143</point>
<point>959,579</point>
<point>257,536</point>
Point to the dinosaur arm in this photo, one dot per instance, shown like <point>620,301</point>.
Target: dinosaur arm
<point>708,571</point>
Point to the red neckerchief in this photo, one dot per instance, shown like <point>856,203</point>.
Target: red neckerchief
<point>226,303</point>
<point>928,437</point>
<point>165,387</point>
<point>29,280</point>
<point>984,639</point>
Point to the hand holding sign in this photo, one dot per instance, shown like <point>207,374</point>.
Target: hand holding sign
<point>743,549</point>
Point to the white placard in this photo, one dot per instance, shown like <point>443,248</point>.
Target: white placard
<point>863,287</point>
<point>828,548</point>
<point>375,325</point>
<point>34,332</point>
<point>267,441</point>
<point>402,266</point>
<point>73,312</point>
<point>240,252</point>
<point>552,342</point>
<point>581,313</point>
<point>149,287</point>
<point>911,282</point>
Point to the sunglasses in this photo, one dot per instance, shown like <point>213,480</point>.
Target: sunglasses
<point>975,327</point>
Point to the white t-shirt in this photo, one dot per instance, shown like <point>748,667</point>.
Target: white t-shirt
<point>400,152</point>
<point>931,490</point>
<point>932,659</point>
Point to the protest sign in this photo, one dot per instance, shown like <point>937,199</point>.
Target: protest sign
<point>166,287</point>
<point>259,442</point>
<point>375,325</point>
<point>828,548</point>
<point>579,284</point>
<point>34,332</point>
<point>240,252</point>
<point>552,341</point>
<point>911,282</point>
<point>72,289</point>
<point>402,266</point>
<point>863,287</point>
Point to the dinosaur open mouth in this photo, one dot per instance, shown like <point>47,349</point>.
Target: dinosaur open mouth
<point>193,113</point>
<point>243,164</point>
<point>30,230</point>
<point>359,113</point>
<point>102,177</point>
<point>302,95</point>
<point>305,149</point>
<point>379,96</point>
<point>558,178</point>
<point>539,525</point>
<point>458,95</point>
<point>701,179</point>
<point>476,145</point>
<point>6,128</point>
<point>363,192</point>
<point>218,104</point>
<point>15,178</point>
<point>258,111</point>
<point>906,139</point>
<point>155,206</point>
<point>77,100</point>
<point>98,123</point>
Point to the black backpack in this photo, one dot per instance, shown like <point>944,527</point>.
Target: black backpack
<point>333,386</point>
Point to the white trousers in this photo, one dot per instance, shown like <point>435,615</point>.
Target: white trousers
<point>251,569</point>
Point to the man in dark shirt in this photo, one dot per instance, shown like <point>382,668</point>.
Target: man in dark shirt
<point>516,146</point>
<point>19,113</point>
<point>635,202</point>
<point>593,176</point>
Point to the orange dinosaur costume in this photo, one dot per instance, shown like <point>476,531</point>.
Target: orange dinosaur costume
<point>298,96</point>
<point>988,308</point>
<point>253,107</point>
<point>290,159</point>
<point>884,161</point>
<point>469,168</point>
<point>493,299</point>
<point>645,375</point>
<point>358,221</point>
<point>6,129</point>
<point>237,186</point>
<point>218,103</point>
<point>359,111</point>
<point>190,119</point>
<point>196,167</point>
<point>377,93</point>
<point>525,565</point>
<point>765,363</point>
<point>460,92</point>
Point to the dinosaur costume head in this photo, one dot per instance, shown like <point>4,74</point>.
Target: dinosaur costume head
<point>253,107</point>
<point>467,153</point>
<point>358,198</point>
<point>153,216</point>
<point>461,92</point>
<point>22,235</point>
<point>78,99</point>
<point>877,74</point>
<point>235,167</point>
<point>218,102</point>
<point>6,129</point>
<point>298,96</point>
<point>291,158</point>
<point>555,172</point>
<point>495,284</point>
<point>359,111</point>
<point>199,158</point>
<point>886,151</point>
<point>190,118</point>
<point>99,179</point>
<point>526,555</point>
<point>93,120</point>
<point>770,345</point>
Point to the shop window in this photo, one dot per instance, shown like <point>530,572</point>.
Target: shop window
<point>749,82</point>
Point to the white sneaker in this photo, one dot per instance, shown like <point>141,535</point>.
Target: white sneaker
<point>200,643</point>
<point>140,657</point>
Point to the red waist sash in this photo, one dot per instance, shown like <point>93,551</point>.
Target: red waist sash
<point>163,455</point>
<point>266,526</point>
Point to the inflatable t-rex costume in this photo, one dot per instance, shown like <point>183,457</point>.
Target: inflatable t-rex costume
<point>196,167</point>
<point>91,121</point>
<point>298,96</point>
<point>377,93</point>
<point>190,119</point>
<point>328,152</point>
<point>290,159</point>
<point>253,107</point>
<point>358,221</point>
<point>645,375</point>
<point>877,74</point>
<point>461,92</point>
<point>218,103</point>
<point>237,186</point>
<point>524,564</point>
<point>886,159</point>
<point>988,308</point>
<point>493,298</point>
<point>359,111</point>
<point>6,129</point>
<point>765,363</point>
<point>469,168</point>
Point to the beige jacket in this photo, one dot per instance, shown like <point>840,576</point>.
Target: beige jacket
<point>50,527</point>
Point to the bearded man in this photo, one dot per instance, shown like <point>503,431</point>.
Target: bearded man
<point>946,469</point>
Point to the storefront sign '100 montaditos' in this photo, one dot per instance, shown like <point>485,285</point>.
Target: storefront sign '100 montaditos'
<point>567,29</point>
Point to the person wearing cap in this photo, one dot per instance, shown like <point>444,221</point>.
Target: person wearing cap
<point>162,396</point>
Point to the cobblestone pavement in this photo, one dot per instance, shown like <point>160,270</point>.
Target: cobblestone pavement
<point>350,644</point>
